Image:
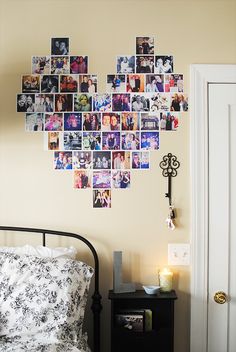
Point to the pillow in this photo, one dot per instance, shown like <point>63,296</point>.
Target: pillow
<point>43,298</point>
<point>41,251</point>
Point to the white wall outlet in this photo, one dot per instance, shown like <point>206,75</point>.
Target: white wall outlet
<point>178,254</point>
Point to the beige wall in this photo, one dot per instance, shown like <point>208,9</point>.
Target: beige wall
<point>33,194</point>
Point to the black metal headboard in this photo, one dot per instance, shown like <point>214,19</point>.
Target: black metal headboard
<point>96,297</point>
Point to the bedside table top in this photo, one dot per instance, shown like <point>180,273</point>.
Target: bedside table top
<point>140,294</point>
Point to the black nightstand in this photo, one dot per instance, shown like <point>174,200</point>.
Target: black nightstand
<point>161,336</point>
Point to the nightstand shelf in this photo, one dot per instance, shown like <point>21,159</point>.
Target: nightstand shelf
<point>160,338</point>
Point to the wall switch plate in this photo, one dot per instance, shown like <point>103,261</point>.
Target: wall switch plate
<point>178,254</point>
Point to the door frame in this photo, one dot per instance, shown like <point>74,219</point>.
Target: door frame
<point>201,76</point>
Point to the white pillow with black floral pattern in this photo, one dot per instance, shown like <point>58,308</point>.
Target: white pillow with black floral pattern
<point>43,298</point>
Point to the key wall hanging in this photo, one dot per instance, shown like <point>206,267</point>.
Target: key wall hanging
<point>101,138</point>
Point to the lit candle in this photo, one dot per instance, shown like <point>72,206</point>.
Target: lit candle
<point>166,277</point>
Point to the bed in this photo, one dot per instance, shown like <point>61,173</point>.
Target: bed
<point>43,299</point>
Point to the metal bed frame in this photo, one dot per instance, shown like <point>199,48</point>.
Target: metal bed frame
<point>96,297</point>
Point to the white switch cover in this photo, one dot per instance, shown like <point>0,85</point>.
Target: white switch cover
<point>178,254</point>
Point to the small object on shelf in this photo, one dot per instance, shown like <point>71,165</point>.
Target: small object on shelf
<point>165,278</point>
<point>118,285</point>
<point>151,290</point>
<point>131,320</point>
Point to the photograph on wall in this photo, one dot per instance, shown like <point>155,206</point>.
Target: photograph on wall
<point>154,83</point>
<point>120,179</point>
<point>150,140</point>
<point>145,64</point>
<point>144,45</point>
<point>149,121</point>
<point>82,102</point>
<point>34,122</point>
<point>91,121</point>
<point>110,121</point>
<point>88,83</point>
<point>53,121</point>
<point>140,102</point>
<point>53,140</point>
<point>72,140</point>
<point>179,102</point>
<point>63,102</point>
<point>141,160</point>
<point>59,46</point>
<point>125,64</point>
<point>121,102</point>
<point>25,103</point>
<point>60,65</point>
<point>68,84</point>
<point>130,121</point>
<point>169,121</point>
<point>174,83</point>
<point>130,140</point>
<point>135,83</point>
<point>63,160</point>
<point>31,83</point>
<point>92,140</point>
<point>82,160</point>
<point>49,83</point>
<point>120,160</point>
<point>44,102</point>
<point>164,64</point>
<point>41,64</point>
<point>78,64</point>
<point>111,140</point>
<point>101,160</point>
<point>116,84</point>
<point>102,102</point>
<point>102,198</point>
<point>82,179</point>
<point>102,179</point>
<point>159,102</point>
<point>72,121</point>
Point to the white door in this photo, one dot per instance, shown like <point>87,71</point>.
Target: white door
<point>222,218</point>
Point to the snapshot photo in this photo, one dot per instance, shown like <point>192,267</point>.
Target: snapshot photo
<point>88,83</point>
<point>144,45</point>
<point>26,103</point>
<point>53,140</point>
<point>169,121</point>
<point>34,122</point>
<point>63,160</point>
<point>144,64</point>
<point>31,83</point>
<point>120,160</point>
<point>164,64</point>
<point>160,102</point>
<point>41,65</point>
<point>149,121</point>
<point>145,160</point>
<point>60,65</point>
<point>78,64</point>
<point>111,140</point>
<point>179,102</point>
<point>135,83</point>
<point>116,84</point>
<point>49,84</point>
<point>120,179</point>
<point>72,121</point>
<point>53,121</point>
<point>82,102</point>
<point>59,46</point>
<point>68,84</point>
<point>91,140</point>
<point>174,83</point>
<point>82,179</point>
<point>150,140</point>
<point>102,102</point>
<point>154,83</point>
<point>102,179</point>
<point>82,160</point>
<point>140,102</point>
<point>91,121</point>
<point>72,140</point>
<point>63,102</point>
<point>102,198</point>
<point>44,102</point>
<point>130,121</point>
<point>110,121</point>
<point>136,160</point>
<point>125,64</point>
<point>130,141</point>
<point>102,160</point>
<point>121,102</point>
